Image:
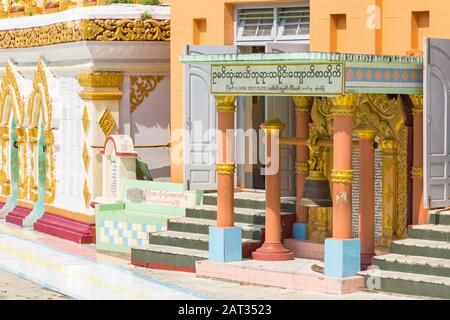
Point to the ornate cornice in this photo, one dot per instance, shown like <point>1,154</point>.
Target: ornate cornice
<point>342,176</point>
<point>273,126</point>
<point>86,30</point>
<point>140,88</point>
<point>100,79</point>
<point>225,168</point>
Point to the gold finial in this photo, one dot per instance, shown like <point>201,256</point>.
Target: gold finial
<point>273,126</point>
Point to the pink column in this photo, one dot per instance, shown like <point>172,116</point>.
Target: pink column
<point>420,214</point>
<point>273,249</point>
<point>366,134</point>
<point>225,161</point>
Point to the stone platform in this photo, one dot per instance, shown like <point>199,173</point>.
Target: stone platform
<point>294,274</point>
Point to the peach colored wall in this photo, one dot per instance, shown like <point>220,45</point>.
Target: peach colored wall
<point>394,37</point>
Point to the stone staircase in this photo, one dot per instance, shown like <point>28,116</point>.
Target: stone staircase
<point>419,265</point>
<point>186,239</point>
<point>17,215</point>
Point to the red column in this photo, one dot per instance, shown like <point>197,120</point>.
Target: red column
<point>342,174</point>
<point>225,161</point>
<point>366,134</point>
<point>420,214</point>
<point>302,117</point>
<point>273,249</point>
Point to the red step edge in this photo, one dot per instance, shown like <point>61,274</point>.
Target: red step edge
<point>17,215</point>
<point>66,228</point>
<point>161,266</point>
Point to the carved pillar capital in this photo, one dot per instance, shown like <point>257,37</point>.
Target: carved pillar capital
<point>100,85</point>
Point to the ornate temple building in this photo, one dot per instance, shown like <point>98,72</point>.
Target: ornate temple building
<point>72,75</point>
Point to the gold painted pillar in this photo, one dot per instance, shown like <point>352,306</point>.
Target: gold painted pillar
<point>101,93</point>
<point>22,162</point>
<point>302,118</point>
<point>33,186</point>
<point>342,174</point>
<point>389,186</point>
<point>420,214</point>
<point>226,108</point>
<point>6,182</point>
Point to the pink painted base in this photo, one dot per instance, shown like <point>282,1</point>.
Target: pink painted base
<point>18,215</point>
<point>65,228</point>
<point>268,274</point>
<point>272,252</point>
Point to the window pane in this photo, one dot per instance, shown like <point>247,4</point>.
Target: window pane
<point>290,30</point>
<point>264,30</point>
<point>249,31</point>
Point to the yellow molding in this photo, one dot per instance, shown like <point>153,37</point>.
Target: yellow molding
<point>342,176</point>
<point>82,217</point>
<point>100,95</point>
<point>225,168</point>
<point>25,204</point>
<point>100,79</point>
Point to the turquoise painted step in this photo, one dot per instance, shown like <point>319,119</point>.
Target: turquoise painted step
<point>431,232</point>
<point>409,283</point>
<point>414,264</point>
<point>185,240</point>
<point>442,217</point>
<point>251,200</point>
<point>419,247</point>
<point>154,254</point>
<point>195,225</point>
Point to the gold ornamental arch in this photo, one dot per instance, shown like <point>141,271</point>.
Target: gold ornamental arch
<point>40,108</point>
<point>11,100</point>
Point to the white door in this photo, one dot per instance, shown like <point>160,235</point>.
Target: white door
<point>436,123</point>
<point>199,121</point>
<point>283,108</point>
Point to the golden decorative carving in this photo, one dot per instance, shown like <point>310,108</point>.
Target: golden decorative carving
<point>302,104</point>
<point>225,103</point>
<point>400,227</point>
<point>100,79</point>
<point>85,119</point>
<point>33,188</point>
<point>86,30</point>
<point>273,127</point>
<point>86,194</point>
<point>417,173</point>
<point>107,122</point>
<point>22,150</point>
<point>86,157</point>
<point>225,168</point>
<point>301,167</point>
<point>140,88</point>
<point>100,95</point>
<point>365,131</point>
<point>417,100</point>
<point>50,180</point>
<point>10,88</point>
<point>82,217</point>
<point>342,176</point>
<point>343,105</point>
<point>40,81</point>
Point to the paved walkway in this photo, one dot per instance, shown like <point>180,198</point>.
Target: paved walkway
<point>81,272</point>
<point>79,277</point>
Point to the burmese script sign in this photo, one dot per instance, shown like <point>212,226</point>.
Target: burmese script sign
<point>280,79</point>
<point>178,199</point>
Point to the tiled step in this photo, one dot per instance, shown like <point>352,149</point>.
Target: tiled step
<point>167,257</point>
<point>195,225</point>
<point>439,217</point>
<point>187,240</point>
<point>414,264</point>
<point>408,283</point>
<point>431,232</point>
<point>419,247</point>
<point>17,215</point>
<point>251,200</point>
<point>242,215</point>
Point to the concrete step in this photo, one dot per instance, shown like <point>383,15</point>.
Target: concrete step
<point>242,215</point>
<point>439,217</point>
<point>186,240</point>
<point>167,257</point>
<point>251,199</point>
<point>408,283</point>
<point>414,264</point>
<point>195,225</point>
<point>420,247</point>
<point>431,232</point>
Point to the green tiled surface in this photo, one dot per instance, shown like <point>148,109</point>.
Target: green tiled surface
<point>249,203</point>
<point>163,258</point>
<point>212,215</point>
<point>436,218</point>
<point>161,239</point>
<point>429,235</point>
<point>412,268</point>
<point>420,251</point>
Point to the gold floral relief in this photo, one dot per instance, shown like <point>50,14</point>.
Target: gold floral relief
<point>107,122</point>
<point>140,88</point>
<point>50,180</point>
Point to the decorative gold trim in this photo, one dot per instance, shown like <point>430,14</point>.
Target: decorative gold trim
<point>50,179</point>
<point>302,105</point>
<point>417,173</point>
<point>86,157</point>
<point>225,103</point>
<point>86,193</point>
<point>85,119</point>
<point>101,95</point>
<point>86,30</point>
<point>342,176</point>
<point>40,79</point>
<point>301,167</point>
<point>100,79</point>
<point>70,214</point>
<point>8,87</point>
<point>417,100</point>
<point>273,126</point>
<point>22,150</point>
<point>140,88</point>
<point>107,122</point>
<point>366,131</point>
<point>24,204</point>
<point>316,175</point>
<point>389,146</point>
<point>225,168</point>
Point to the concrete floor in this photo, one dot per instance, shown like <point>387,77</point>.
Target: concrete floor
<point>87,264</point>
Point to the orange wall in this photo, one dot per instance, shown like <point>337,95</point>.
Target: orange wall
<point>213,20</point>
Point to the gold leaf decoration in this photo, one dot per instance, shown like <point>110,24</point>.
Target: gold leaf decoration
<point>107,122</point>
<point>85,119</point>
<point>140,88</point>
<point>86,157</point>
<point>86,193</point>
